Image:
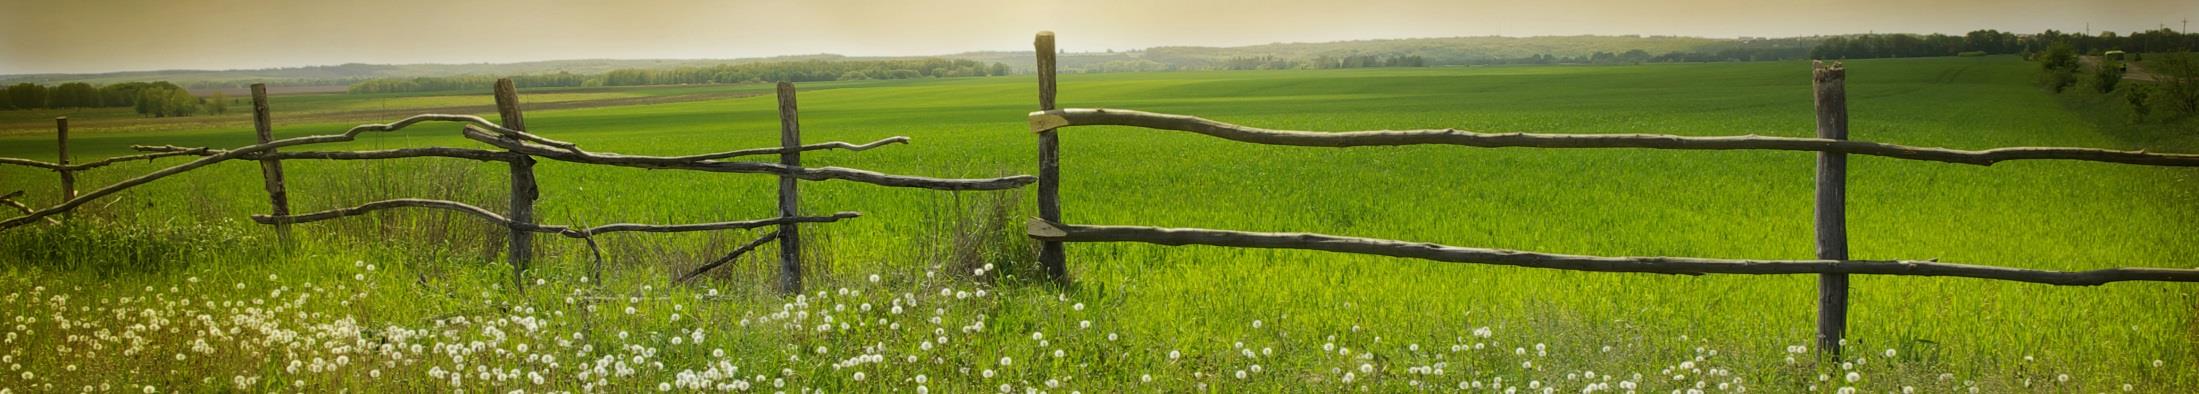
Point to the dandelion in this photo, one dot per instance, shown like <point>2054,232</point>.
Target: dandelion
<point>1172,356</point>
<point>2062,378</point>
<point>858,374</point>
<point>1145,378</point>
<point>1889,353</point>
<point>874,279</point>
<point>2157,363</point>
<point>1241,374</point>
<point>664,387</point>
<point>1005,361</point>
<point>1853,377</point>
<point>988,374</point>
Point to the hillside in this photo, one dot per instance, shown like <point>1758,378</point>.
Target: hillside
<point>1436,51</point>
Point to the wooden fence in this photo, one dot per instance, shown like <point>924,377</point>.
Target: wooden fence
<point>518,148</point>
<point>1831,145</point>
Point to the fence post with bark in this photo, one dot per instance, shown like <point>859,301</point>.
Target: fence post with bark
<point>790,155</point>
<point>271,169</point>
<point>1829,85</point>
<point>68,177</point>
<point>523,189</point>
<point>1051,255</point>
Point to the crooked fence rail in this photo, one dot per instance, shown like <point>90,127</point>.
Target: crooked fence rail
<point>518,148</point>
<point>1831,147</point>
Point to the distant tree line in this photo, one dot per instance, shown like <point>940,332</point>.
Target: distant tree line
<point>1319,62</point>
<point>1998,42</point>
<point>156,99</point>
<point>794,71</point>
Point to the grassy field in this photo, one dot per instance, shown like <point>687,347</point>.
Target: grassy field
<point>169,287</point>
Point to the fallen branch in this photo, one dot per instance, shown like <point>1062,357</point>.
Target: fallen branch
<point>805,148</point>
<point>737,252</point>
<point>9,200</point>
<point>460,153</point>
<point>815,174</point>
<point>1049,120</point>
<point>1051,231</point>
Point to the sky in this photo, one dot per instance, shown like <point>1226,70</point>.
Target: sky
<point>63,36</point>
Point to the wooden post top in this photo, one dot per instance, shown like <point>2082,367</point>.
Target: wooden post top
<point>1822,73</point>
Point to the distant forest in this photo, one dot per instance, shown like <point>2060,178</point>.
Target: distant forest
<point>1998,42</point>
<point>796,71</point>
<point>154,99</point>
<point>120,89</point>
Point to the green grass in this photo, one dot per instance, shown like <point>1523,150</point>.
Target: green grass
<point>1199,301</point>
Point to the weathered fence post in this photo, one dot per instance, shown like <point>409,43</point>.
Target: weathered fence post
<point>1050,253</point>
<point>68,178</point>
<point>523,186</point>
<point>1830,86</point>
<point>790,240</point>
<point>271,170</point>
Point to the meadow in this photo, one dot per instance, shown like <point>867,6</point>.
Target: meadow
<point>170,288</point>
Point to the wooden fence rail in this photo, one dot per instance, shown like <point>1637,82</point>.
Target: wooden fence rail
<point>518,148</point>
<point>1831,145</point>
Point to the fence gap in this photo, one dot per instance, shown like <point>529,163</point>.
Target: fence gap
<point>523,186</point>
<point>1830,86</point>
<point>68,178</point>
<point>1050,253</point>
<point>271,169</point>
<point>790,155</point>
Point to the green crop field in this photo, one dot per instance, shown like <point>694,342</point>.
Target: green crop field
<point>170,287</point>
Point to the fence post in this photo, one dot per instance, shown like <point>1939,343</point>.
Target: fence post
<point>1830,86</point>
<point>523,186</point>
<point>790,155</point>
<point>271,170</point>
<point>1050,253</point>
<point>68,178</point>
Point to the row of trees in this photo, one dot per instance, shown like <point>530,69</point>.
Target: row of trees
<point>158,99</point>
<point>1318,62</point>
<point>795,71</point>
<point>1997,42</point>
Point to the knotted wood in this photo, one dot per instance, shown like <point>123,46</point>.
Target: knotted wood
<point>1050,120</point>
<point>1054,231</point>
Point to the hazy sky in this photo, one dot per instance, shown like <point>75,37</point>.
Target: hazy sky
<point>109,35</point>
